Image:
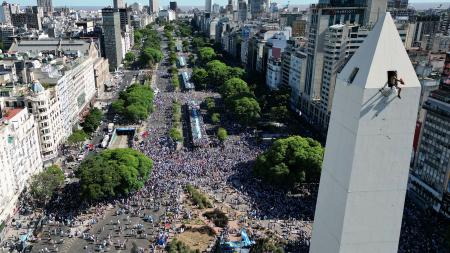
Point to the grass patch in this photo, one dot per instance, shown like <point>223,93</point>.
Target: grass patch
<point>198,198</point>
<point>196,239</point>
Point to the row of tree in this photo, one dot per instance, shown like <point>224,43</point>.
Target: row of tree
<point>135,103</point>
<point>215,73</point>
<point>176,131</point>
<point>184,29</point>
<point>90,124</point>
<point>151,46</point>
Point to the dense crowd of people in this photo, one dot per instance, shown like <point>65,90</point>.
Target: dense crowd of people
<point>222,171</point>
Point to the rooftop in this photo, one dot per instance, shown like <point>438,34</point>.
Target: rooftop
<point>11,113</point>
<point>49,45</point>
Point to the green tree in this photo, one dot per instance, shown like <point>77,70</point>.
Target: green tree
<point>92,120</point>
<point>136,112</point>
<point>135,103</point>
<point>172,58</point>
<point>138,36</point>
<point>278,113</point>
<point>199,77</point>
<point>169,27</point>
<point>130,57</point>
<point>151,56</point>
<point>235,72</point>
<point>246,110</point>
<point>198,42</point>
<point>222,134</point>
<point>206,54</point>
<point>176,246</point>
<point>176,82</point>
<point>118,106</point>
<point>175,134</point>
<point>210,103</point>
<point>113,172</point>
<point>191,59</point>
<point>173,70</point>
<point>234,86</point>
<point>77,137</point>
<point>290,161</point>
<point>198,198</point>
<point>44,184</point>
<point>185,44</point>
<point>215,118</point>
<point>218,217</point>
<point>217,72</point>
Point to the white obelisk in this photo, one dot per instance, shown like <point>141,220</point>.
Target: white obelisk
<point>365,169</point>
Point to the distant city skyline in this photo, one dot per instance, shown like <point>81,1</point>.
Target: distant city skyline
<point>164,3</point>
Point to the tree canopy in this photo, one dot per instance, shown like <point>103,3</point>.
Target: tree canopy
<point>199,77</point>
<point>151,56</point>
<point>290,161</point>
<point>135,103</point>
<point>234,86</point>
<point>113,172</point>
<point>235,72</point>
<point>130,57</point>
<point>92,120</point>
<point>206,54</point>
<point>245,109</point>
<point>44,184</point>
<point>217,72</point>
<point>77,137</point>
<point>222,134</point>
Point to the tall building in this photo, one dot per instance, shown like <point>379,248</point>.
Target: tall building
<point>5,13</point>
<point>258,7</point>
<point>68,91</point>
<point>397,4</point>
<point>118,4</point>
<point>30,20</point>
<point>430,175</point>
<point>112,37</point>
<point>365,169</point>
<point>321,17</point>
<point>7,34</point>
<point>153,6</point>
<point>208,5</point>
<point>215,8</point>
<point>46,5</point>
<point>242,10</point>
<point>20,155</point>
<point>341,42</point>
<point>173,5</point>
<point>430,180</point>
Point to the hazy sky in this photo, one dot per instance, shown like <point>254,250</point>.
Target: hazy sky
<point>164,2</point>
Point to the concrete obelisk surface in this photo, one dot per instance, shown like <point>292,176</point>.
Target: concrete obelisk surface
<point>365,170</point>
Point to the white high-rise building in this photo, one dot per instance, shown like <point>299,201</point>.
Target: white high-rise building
<point>20,155</point>
<point>153,6</point>
<point>46,5</point>
<point>366,164</point>
<point>118,4</point>
<point>208,5</point>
